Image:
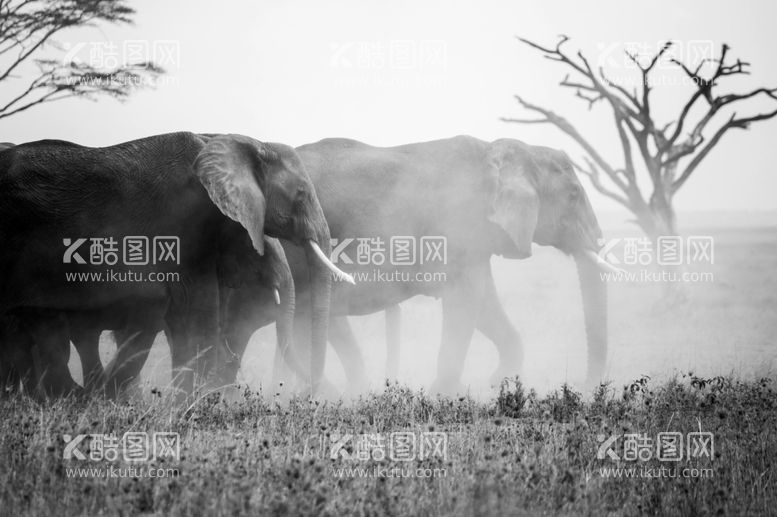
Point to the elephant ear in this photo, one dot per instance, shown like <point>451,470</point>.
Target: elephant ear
<point>231,167</point>
<point>514,200</point>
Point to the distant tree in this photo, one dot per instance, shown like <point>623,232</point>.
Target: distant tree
<point>669,152</point>
<point>28,28</point>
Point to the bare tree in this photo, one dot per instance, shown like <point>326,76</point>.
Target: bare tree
<point>670,153</point>
<point>27,27</point>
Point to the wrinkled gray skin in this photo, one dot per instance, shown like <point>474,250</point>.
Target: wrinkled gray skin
<point>135,328</point>
<point>247,303</point>
<point>486,199</point>
<point>198,188</point>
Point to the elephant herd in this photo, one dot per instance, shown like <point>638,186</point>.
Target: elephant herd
<point>239,234</point>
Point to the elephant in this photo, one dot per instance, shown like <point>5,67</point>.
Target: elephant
<point>192,188</point>
<point>267,291</point>
<point>269,283</point>
<point>34,353</point>
<point>486,199</point>
<point>135,328</point>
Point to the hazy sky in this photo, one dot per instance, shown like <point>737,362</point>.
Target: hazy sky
<point>396,72</point>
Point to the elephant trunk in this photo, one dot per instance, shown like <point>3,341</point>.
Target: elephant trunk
<point>284,323</point>
<point>320,269</point>
<point>594,293</point>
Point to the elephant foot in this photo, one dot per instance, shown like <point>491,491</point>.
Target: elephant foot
<point>282,381</point>
<point>509,368</point>
<point>325,390</point>
<point>450,387</point>
<point>113,388</point>
<point>94,380</point>
<point>232,394</point>
<point>595,374</point>
<point>500,374</point>
<point>70,391</point>
<point>593,383</point>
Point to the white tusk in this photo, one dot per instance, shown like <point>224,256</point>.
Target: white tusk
<point>339,274</point>
<point>277,296</point>
<point>603,264</point>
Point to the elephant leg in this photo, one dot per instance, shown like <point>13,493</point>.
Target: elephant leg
<point>346,346</point>
<point>242,313</point>
<point>286,361</point>
<point>298,361</point>
<point>86,340</point>
<point>494,323</point>
<point>288,367</point>
<point>16,361</point>
<point>21,368</point>
<point>461,304</point>
<point>393,332</point>
<point>141,323</point>
<point>9,381</point>
<point>132,348</point>
<point>182,378</point>
<point>301,336</point>
<point>49,332</point>
<point>8,378</point>
<point>235,342</point>
<point>193,321</point>
<point>280,370</point>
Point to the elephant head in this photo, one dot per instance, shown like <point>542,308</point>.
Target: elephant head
<point>537,197</point>
<point>265,188</point>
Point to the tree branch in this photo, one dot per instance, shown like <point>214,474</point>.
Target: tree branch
<point>661,154</point>
<point>28,26</point>
<point>570,130</point>
<point>592,172</point>
<point>733,122</point>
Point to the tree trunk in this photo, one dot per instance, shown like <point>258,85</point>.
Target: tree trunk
<point>660,220</point>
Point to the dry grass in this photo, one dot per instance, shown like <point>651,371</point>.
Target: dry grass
<point>510,451</point>
<point>517,454</point>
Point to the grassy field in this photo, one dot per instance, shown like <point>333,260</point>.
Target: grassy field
<point>519,454</point>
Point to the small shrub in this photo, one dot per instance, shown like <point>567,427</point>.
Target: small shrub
<point>511,398</point>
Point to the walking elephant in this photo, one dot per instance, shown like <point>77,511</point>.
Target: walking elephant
<point>265,279</point>
<point>191,190</point>
<point>485,199</point>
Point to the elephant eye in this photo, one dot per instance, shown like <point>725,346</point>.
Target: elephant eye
<point>301,195</point>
